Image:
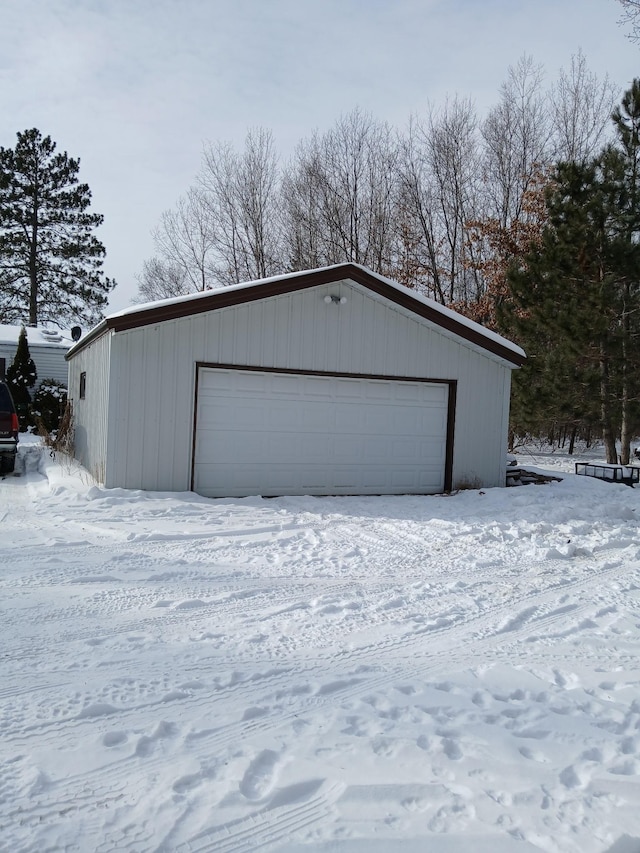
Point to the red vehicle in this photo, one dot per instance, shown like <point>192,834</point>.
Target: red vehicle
<point>8,431</point>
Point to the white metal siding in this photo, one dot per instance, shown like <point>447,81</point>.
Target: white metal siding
<point>286,434</point>
<point>7,352</point>
<point>154,367</point>
<point>50,364</point>
<point>49,361</point>
<point>90,415</point>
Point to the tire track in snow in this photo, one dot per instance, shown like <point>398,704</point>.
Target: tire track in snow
<point>509,627</point>
<point>427,664</point>
<point>404,653</point>
<point>107,783</point>
<point>277,682</point>
<point>269,825</point>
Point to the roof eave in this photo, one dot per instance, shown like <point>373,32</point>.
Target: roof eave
<point>290,283</point>
<point>91,336</point>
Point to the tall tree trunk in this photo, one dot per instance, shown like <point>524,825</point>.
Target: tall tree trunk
<point>608,436</point>
<point>626,425</point>
<point>33,275</point>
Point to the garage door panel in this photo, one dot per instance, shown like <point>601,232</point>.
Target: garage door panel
<point>316,448</point>
<point>280,418</point>
<point>273,434</point>
<point>245,383</point>
<point>374,448</point>
<point>317,418</point>
<point>229,413</point>
<point>350,417</point>
<point>345,390</point>
<point>315,387</point>
<point>375,481</point>
<point>377,391</point>
<point>347,449</point>
<point>405,450</point>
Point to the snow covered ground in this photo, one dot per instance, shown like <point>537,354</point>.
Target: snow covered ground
<point>362,675</point>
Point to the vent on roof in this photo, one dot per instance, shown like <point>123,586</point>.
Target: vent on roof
<point>51,335</point>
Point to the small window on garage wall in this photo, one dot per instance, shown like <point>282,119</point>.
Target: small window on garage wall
<point>83,385</point>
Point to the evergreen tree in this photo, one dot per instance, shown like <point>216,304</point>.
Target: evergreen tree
<point>21,376</point>
<point>626,118</point>
<point>569,298</point>
<point>50,262</point>
<point>573,300</point>
<point>48,404</point>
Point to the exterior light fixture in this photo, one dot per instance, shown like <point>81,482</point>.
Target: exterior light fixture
<point>336,300</point>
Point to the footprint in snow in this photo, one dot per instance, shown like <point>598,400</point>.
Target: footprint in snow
<point>451,749</point>
<point>111,739</point>
<point>576,776</point>
<point>261,775</point>
<point>97,709</point>
<point>187,783</point>
<point>145,744</point>
<point>533,755</point>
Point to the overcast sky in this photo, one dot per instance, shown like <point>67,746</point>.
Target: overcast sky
<point>135,87</point>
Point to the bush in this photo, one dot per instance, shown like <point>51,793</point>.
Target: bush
<point>60,440</point>
<point>21,375</point>
<point>48,404</point>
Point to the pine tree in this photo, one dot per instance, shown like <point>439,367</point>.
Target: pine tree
<point>626,119</point>
<point>21,376</point>
<point>568,297</point>
<point>50,262</point>
<point>573,301</point>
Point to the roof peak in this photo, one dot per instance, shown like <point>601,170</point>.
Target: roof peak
<point>236,294</point>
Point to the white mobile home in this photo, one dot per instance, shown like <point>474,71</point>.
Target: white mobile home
<point>334,381</point>
<point>47,348</point>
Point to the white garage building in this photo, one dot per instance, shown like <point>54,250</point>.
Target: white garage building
<point>334,381</point>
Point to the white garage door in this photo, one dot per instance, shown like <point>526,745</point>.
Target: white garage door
<point>292,434</point>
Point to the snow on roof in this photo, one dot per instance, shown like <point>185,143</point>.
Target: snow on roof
<point>46,336</point>
<point>448,312</point>
<point>230,288</point>
<point>126,318</point>
<point>425,300</point>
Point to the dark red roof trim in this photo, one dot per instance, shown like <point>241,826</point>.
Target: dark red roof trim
<point>290,284</point>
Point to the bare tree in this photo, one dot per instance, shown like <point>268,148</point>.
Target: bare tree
<point>186,239</point>
<point>185,245</point>
<point>631,16</point>
<point>340,194</point>
<point>455,166</point>
<point>580,107</point>
<point>516,135</point>
<point>412,206</point>
<point>241,192</point>
<point>305,238</point>
<point>440,193</point>
<point>419,265</point>
<point>161,279</point>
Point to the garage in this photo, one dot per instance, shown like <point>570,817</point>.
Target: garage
<point>334,381</point>
<point>273,433</point>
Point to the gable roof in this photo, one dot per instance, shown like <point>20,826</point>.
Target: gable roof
<point>211,300</point>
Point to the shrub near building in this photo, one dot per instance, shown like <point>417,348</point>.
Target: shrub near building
<point>48,404</point>
<point>21,376</point>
